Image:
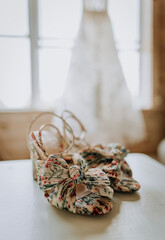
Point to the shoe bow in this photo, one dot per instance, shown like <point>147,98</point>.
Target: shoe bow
<point>58,180</point>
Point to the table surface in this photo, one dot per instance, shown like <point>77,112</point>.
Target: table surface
<point>25,214</point>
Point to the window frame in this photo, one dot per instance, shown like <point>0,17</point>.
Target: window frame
<point>33,38</point>
<point>146,54</point>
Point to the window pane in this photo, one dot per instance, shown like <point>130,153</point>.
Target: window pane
<point>14,73</point>
<point>131,67</point>
<point>125,21</point>
<point>13,17</point>
<point>59,18</point>
<point>53,69</point>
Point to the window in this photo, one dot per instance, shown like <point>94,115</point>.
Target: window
<point>36,42</point>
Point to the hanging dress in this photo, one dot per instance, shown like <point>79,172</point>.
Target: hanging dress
<point>96,90</point>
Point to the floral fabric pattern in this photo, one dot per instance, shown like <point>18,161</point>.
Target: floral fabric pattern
<point>110,159</point>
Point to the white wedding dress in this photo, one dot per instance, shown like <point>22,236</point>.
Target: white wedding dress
<point>96,90</point>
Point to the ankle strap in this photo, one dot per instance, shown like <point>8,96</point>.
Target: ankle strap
<point>67,127</point>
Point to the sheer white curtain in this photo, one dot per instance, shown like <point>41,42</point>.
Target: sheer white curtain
<point>96,90</point>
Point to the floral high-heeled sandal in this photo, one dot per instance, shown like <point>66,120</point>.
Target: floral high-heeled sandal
<point>109,158</point>
<point>70,185</point>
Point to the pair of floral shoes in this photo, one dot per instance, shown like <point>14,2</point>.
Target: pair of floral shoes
<point>73,175</point>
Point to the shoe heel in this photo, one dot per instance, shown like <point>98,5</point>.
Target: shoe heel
<point>33,158</point>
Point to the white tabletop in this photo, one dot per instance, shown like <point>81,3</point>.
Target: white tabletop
<point>25,214</point>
